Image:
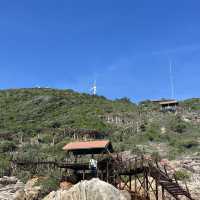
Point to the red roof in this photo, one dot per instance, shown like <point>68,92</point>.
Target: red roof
<point>87,145</point>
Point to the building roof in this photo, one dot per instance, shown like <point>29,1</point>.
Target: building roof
<point>162,100</point>
<point>168,102</point>
<point>159,100</point>
<point>88,146</point>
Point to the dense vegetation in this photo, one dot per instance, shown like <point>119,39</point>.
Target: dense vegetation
<point>32,123</point>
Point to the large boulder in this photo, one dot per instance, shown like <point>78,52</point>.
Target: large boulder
<point>29,192</point>
<point>93,189</point>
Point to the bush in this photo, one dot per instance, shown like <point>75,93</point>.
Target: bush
<point>188,144</point>
<point>4,164</point>
<point>193,104</point>
<point>48,185</point>
<point>177,125</point>
<point>152,133</point>
<point>23,176</point>
<point>182,175</point>
<point>6,146</point>
<point>156,156</point>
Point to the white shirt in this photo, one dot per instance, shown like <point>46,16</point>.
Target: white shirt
<point>93,163</point>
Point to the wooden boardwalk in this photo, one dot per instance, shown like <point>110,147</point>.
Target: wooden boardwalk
<point>140,176</point>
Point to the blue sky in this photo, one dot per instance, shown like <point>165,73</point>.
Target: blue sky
<point>124,45</point>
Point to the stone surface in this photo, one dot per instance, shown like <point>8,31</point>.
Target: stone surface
<point>191,164</point>
<point>30,191</point>
<point>8,180</point>
<point>9,185</point>
<point>12,189</point>
<point>94,189</point>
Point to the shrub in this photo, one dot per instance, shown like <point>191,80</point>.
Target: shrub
<point>48,185</point>
<point>6,146</point>
<point>156,156</point>
<point>177,125</point>
<point>23,176</point>
<point>182,175</point>
<point>152,133</point>
<point>189,144</point>
<point>124,100</point>
<point>4,164</point>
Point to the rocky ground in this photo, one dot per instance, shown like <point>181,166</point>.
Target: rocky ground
<point>13,189</point>
<point>191,165</point>
<point>8,187</point>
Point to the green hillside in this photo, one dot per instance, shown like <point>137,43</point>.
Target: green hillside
<point>33,123</point>
<point>32,110</point>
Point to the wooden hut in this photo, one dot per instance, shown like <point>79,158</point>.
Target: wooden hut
<point>79,154</point>
<point>170,105</point>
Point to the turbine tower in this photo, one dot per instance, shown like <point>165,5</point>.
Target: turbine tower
<point>94,88</point>
<point>171,79</point>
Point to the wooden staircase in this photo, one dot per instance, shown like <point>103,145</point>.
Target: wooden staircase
<point>170,185</point>
<point>133,167</point>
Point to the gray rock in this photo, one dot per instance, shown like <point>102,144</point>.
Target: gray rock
<point>8,180</point>
<point>94,189</point>
<point>9,186</point>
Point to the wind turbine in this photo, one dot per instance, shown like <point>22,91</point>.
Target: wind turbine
<point>94,88</point>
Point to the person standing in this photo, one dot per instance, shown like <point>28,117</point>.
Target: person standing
<point>93,166</point>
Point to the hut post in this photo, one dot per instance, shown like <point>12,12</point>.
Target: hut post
<point>107,174</point>
<point>163,193</point>
<point>83,174</point>
<point>130,180</point>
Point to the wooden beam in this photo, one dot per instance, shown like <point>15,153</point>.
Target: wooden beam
<point>163,193</point>
<point>130,180</point>
<point>156,189</point>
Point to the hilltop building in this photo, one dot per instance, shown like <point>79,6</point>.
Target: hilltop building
<point>167,105</point>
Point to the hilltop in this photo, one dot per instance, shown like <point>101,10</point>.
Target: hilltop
<point>34,123</point>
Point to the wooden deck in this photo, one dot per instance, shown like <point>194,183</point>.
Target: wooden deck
<point>147,175</point>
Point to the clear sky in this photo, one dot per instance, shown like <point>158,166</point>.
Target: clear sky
<point>125,45</point>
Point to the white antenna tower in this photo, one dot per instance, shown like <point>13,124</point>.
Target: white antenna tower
<point>171,79</point>
<point>94,88</point>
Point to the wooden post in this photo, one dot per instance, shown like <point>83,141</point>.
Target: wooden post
<point>156,189</point>
<point>144,186</point>
<point>147,184</point>
<point>83,174</point>
<point>130,182</point>
<point>97,175</point>
<point>163,193</point>
<point>75,158</point>
<point>115,181</point>
<point>135,178</point>
<point>120,186</point>
<point>107,173</point>
<point>135,186</point>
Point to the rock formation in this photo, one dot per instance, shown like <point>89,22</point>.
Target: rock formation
<point>29,192</point>
<point>8,187</point>
<point>93,189</point>
<point>13,189</point>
